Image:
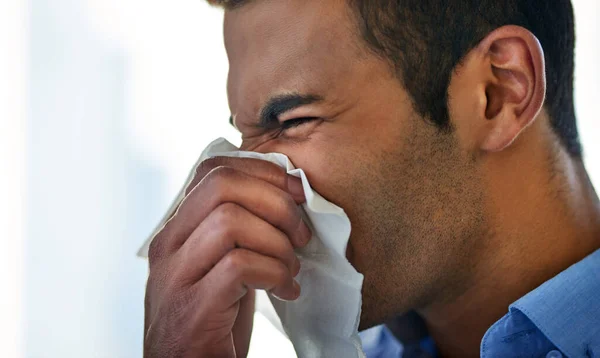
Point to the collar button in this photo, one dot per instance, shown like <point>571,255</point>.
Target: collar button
<point>554,354</point>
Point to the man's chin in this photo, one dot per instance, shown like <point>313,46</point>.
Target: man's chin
<point>368,321</point>
<point>363,326</point>
<point>370,318</point>
<point>374,311</point>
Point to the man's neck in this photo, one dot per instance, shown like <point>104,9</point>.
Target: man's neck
<point>539,230</point>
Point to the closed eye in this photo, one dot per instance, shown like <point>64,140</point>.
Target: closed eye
<point>296,122</point>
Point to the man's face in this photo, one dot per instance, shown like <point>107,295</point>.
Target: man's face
<point>410,192</point>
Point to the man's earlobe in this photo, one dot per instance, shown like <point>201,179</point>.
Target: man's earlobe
<point>515,86</point>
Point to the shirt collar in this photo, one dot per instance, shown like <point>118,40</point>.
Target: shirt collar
<point>567,308</point>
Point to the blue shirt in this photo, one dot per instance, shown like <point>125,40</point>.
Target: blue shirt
<point>561,318</point>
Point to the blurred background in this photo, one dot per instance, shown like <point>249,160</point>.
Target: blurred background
<point>104,107</point>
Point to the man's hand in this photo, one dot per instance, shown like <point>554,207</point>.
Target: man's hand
<point>233,233</point>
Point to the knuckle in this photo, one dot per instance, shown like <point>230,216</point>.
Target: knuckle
<point>206,166</point>
<point>156,250</point>
<point>235,262</point>
<point>219,179</point>
<point>225,217</point>
<point>227,213</point>
<point>220,172</point>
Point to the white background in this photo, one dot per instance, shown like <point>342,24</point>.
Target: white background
<point>104,107</point>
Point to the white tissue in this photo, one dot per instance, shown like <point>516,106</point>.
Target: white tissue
<point>323,321</point>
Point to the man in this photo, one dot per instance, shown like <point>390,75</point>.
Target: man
<point>446,130</point>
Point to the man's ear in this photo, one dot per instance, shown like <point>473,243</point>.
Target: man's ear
<point>510,84</point>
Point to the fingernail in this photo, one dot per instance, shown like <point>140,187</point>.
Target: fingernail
<point>294,186</point>
<point>296,268</point>
<point>294,294</point>
<point>305,234</point>
<point>297,290</point>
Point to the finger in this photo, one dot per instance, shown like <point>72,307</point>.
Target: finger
<point>242,328</point>
<point>256,168</point>
<point>241,270</point>
<point>228,227</point>
<point>260,169</point>
<point>224,185</point>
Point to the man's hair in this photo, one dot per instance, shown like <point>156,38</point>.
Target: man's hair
<point>425,40</point>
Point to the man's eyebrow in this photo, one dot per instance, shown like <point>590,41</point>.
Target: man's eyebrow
<point>276,106</point>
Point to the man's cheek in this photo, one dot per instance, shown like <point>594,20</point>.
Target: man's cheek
<point>325,176</point>
<point>329,165</point>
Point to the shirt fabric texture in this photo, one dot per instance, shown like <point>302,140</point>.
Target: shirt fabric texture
<point>560,318</point>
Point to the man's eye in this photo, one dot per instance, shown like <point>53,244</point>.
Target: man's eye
<point>292,123</point>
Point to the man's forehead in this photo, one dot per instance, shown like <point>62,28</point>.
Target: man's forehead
<point>277,46</point>
<point>305,21</point>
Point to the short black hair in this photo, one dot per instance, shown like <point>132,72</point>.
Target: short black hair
<point>426,39</point>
